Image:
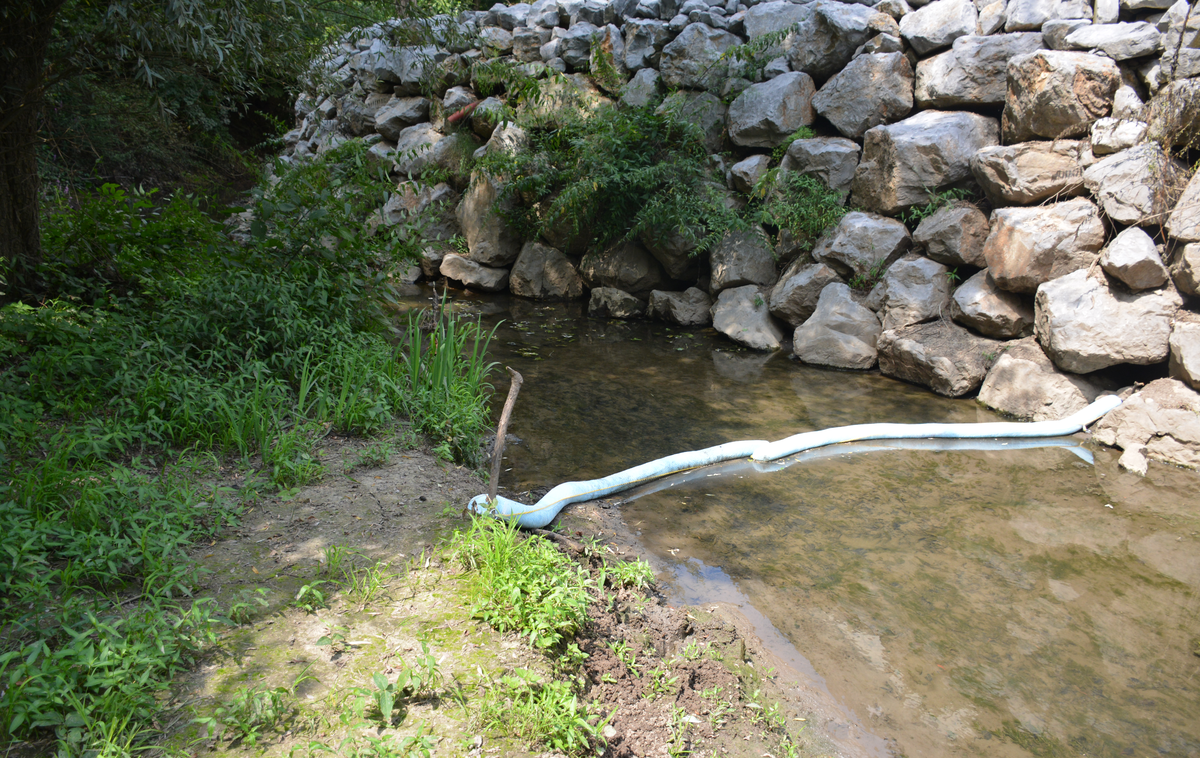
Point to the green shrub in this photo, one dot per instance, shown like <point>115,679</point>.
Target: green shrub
<point>798,203</point>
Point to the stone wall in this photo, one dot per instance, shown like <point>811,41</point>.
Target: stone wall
<point>1067,118</point>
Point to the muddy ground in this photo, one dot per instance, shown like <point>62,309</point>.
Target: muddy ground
<point>351,577</point>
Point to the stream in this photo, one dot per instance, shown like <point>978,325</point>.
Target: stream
<point>1010,602</point>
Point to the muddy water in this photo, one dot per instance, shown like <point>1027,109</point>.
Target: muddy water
<point>993,603</point>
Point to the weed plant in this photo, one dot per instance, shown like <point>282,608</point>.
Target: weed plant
<point>547,713</point>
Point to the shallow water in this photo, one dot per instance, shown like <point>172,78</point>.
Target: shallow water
<point>1000,603</point>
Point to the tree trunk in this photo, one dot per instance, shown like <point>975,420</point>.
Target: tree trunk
<point>24,38</point>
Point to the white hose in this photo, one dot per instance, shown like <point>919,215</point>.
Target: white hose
<point>543,511</point>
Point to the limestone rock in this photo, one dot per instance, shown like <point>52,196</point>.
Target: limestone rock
<point>473,275</point>
<point>1025,384</point>
<point>938,24</point>
<point>862,242</point>
<point>406,67</point>
<point>643,89</point>
<point>1055,31</point>
<point>903,163</point>
<point>1174,112</point>
<point>543,273</point>
<point>609,302</point>
<point>1137,186</point>
<point>1185,272</point>
<point>495,40</point>
<point>1030,15</point>
<point>395,116</point>
<point>939,355</point>
<point>741,258</point>
<point>627,266</point>
<point>1029,246</point>
<point>489,239</point>
<point>512,16</point>
<point>1029,172</point>
<point>980,304</point>
<point>575,46</point>
<point>415,148</point>
<point>674,251</point>
<point>832,160</point>
<point>1185,352</point>
<point>1184,222</point>
<point>1118,41</point>
<point>794,296</point>
<point>527,43</point>
<point>1111,135</point>
<point>741,314</point>
<point>764,115</point>
<point>1181,41</point>
<point>954,235</point>
<point>1163,419</point>
<point>913,290</point>
<point>871,90</point>
<point>1055,93</point>
<point>746,173</point>
<point>609,50</point>
<point>1132,258</point>
<point>840,332</point>
<point>973,72</point>
<point>827,34</point>
<point>766,18</point>
<point>486,117</point>
<point>1085,324</point>
<point>691,60</point>
<point>692,307</point>
<point>644,40</point>
<point>507,138</point>
<point>703,109</point>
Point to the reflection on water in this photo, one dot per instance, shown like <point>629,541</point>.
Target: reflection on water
<point>1008,602</point>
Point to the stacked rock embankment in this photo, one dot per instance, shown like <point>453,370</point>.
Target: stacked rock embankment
<point>1074,124</point>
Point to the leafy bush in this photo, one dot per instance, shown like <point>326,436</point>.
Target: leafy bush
<point>799,203</point>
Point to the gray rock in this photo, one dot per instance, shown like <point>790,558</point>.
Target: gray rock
<point>880,43</point>
<point>980,304</point>
<point>489,240</point>
<point>1181,42</point>
<point>766,114</point>
<point>1118,41</point>
<point>643,89</point>
<point>627,266</point>
<point>746,173</point>
<point>1128,104</point>
<point>1025,384</point>
<point>832,160</point>
<point>1137,186</point>
<point>1162,421</point>
<point>991,16</point>
<point>1132,258</point>
<point>609,51</point>
<point>1029,15</point>
<point>938,24</point>
<point>457,98</point>
<point>871,90</point>
<point>1174,113</point>
<point>596,12</point>
<point>644,40</point>
<point>691,307</point>
<point>839,333</point>
<point>828,33</point>
<point>527,43</point>
<point>904,163</point>
<point>507,138</point>
<point>768,18</point>
<point>575,46</point>
<point>1029,246</point>
<point>415,148</point>
<point>1085,324</point>
<point>1184,362</point>
<point>495,40</point>
<point>973,72</point>
<point>1185,272</point>
<point>897,9</point>
<point>512,16</point>
<point>703,109</point>
<point>474,275</point>
<point>741,258</point>
<point>486,116</point>
<point>693,59</point>
<point>543,13</point>
<point>954,235</point>
<point>939,355</point>
<point>544,273</point>
<point>913,290</point>
<point>430,209</point>
<point>862,243</point>
<point>356,117</point>
<point>794,297</point>
<point>741,315</point>
<point>609,302</point>
<point>1112,135</point>
<point>1184,222</point>
<point>1106,11</point>
<point>404,68</point>
<point>776,66</point>
<point>1054,94</point>
<point>675,252</point>
<point>1029,172</point>
<point>1055,32</point>
<point>396,115</point>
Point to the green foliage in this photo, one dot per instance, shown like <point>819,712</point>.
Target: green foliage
<point>798,203</point>
<point>546,713</point>
<point>803,132</point>
<point>937,201</point>
<point>750,59</point>
<point>252,713</point>
<point>870,279</point>
<point>635,573</point>
<point>422,679</point>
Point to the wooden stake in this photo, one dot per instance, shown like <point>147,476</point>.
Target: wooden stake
<point>501,430</point>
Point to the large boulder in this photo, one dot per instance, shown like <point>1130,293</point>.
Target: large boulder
<point>627,266</point>
<point>832,160</point>
<point>840,332</point>
<point>693,59</point>
<point>1185,272</point>
<point>747,173</point>
<point>1160,421</point>
<point>1029,172</point>
<point>609,302</point>
<point>1137,186</point>
<point>1025,384</point>
<point>772,17</point>
<point>474,275</point>
<point>399,114</point>
<point>416,148</point>
<point>692,307</point>
<point>827,34</point>
<point>575,45</point>
<point>938,24</point>
<point>1133,259</point>
<point>741,315</point>
<point>405,68</point>
<point>489,240</point>
<point>544,273</point>
<point>1030,15</point>
<point>973,72</point>
<point>980,304</point>
<point>1112,135</point>
<point>939,355</point>
<point>954,235</point>
<point>1184,345</point>
<point>794,297</point>
<point>527,43</point>
<point>741,258</point>
<point>703,109</point>
<point>1029,246</point>
<point>1118,41</point>
<point>764,115</point>
<point>1184,222</point>
<point>913,290</point>
<point>644,40</point>
<point>643,89</point>
<point>903,164</point>
<point>871,90</point>
<point>1084,323</point>
<point>862,243</point>
<point>1055,93</point>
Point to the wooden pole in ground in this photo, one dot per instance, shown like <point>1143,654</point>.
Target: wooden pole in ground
<point>501,430</point>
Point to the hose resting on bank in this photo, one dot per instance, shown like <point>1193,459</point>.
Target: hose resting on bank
<point>543,511</point>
